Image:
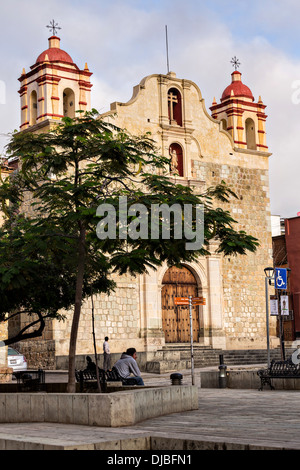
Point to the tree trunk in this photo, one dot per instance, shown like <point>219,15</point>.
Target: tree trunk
<point>95,346</point>
<point>77,310</point>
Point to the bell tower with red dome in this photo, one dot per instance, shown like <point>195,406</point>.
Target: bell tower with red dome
<point>53,88</point>
<point>241,116</point>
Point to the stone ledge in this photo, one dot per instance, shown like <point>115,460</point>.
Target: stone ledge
<point>30,443</point>
<point>245,379</point>
<point>107,410</point>
<point>162,367</point>
<point>142,443</point>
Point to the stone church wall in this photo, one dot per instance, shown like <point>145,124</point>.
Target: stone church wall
<point>116,316</point>
<point>243,276</point>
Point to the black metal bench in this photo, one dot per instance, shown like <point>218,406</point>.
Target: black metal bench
<point>30,380</point>
<point>86,375</point>
<point>278,370</point>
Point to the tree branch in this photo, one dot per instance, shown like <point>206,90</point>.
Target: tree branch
<point>21,336</point>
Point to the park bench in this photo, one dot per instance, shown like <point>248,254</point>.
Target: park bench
<point>278,370</point>
<point>85,376</point>
<point>30,380</point>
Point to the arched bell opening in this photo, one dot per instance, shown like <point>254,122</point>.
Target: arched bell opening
<point>33,108</point>
<point>69,103</point>
<point>250,134</point>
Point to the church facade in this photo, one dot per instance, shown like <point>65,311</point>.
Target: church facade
<point>228,143</point>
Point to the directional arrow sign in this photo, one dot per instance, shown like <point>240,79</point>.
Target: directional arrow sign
<point>186,301</point>
<point>182,301</point>
<point>199,302</point>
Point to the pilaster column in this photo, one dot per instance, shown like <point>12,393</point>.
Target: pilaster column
<point>24,101</point>
<point>215,298</point>
<point>150,308</point>
<point>55,97</point>
<point>163,100</point>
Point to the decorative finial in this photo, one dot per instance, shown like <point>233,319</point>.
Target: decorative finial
<point>54,26</point>
<point>235,63</point>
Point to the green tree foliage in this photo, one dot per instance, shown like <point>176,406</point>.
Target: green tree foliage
<point>50,255</point>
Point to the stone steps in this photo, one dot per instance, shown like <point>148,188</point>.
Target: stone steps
<point>178,357</point>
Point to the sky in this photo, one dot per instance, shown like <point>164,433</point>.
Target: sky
<point>123,41</point>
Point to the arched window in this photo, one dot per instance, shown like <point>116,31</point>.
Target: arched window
<point>250,134</point>
<point>69,103</point>
<point>175,107</point>
<point>176,160</point>
<point>33,108</point>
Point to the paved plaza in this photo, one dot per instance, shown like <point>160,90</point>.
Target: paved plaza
<point>226,419</point>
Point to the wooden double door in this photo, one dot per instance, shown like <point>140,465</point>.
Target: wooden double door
<point>179,282</point>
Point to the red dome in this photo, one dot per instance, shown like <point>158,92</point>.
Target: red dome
<point>238,88</point>
<point>54,55</point>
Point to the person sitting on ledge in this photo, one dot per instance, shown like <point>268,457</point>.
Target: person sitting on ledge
<point>126,365</point>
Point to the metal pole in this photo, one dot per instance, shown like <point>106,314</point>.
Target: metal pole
<point>167,47</point>
<point>191,331</point>
<point>267,320</point>
<point>280,327</point>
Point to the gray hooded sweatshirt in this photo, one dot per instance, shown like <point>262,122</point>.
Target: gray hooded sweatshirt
<point>127,365</point>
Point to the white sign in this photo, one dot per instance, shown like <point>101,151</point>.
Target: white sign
<point>274,306</point>
<point>284,303</point>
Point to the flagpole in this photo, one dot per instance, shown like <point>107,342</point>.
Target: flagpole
<point>167,48</point>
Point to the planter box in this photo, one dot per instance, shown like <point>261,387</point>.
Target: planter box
<point>97,409</point>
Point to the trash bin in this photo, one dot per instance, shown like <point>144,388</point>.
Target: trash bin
<point>176,379</point>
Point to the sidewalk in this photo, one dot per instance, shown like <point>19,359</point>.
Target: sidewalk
<point>226,419</point>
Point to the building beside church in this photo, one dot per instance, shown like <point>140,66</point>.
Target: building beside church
<point>229,144</point>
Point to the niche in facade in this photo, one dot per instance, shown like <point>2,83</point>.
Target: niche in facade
<point>176,159</point>
<point>175,107</point>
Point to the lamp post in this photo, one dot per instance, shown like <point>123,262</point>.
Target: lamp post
<point>281,327</point>
<point>222,373</point>
<point>269,273</point>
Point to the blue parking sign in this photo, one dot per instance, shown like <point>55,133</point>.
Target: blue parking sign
<point>280,278</point>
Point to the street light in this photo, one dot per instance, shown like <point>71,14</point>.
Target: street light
<point>269,273</point>
<point>222,373</point>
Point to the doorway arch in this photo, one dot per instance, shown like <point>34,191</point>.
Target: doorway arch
<point>179,282</point>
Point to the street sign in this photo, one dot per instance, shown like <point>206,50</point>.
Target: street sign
<point>284,303</point>
<point>182,301</point>
<point>186,301</point>
<point>198,301</point>
<point>281,278</point>
<point>191,302</point>
<point>274,305</point>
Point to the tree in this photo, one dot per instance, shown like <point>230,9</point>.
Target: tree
<point>85,163</point>
<point>37,276</point>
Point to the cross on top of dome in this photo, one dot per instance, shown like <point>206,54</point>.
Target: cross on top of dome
<point>235,63</point>
<point>54,26</point>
